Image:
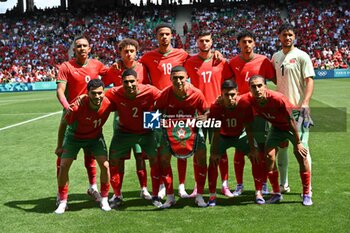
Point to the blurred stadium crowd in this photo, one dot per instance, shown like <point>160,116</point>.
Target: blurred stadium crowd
<point>33,45</point>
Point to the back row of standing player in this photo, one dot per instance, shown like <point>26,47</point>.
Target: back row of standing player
<point>207,72</point>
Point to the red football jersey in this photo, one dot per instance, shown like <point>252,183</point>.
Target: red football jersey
<point>130,111</point>
<point>86,123</point>
<point>206,77</point>
<point>117,80</point>
<point>277,110</point>
<point>159,65</point>
<point>232,120</point>
<point>76,77</point>
<point>243,70</point>
<point>193,103</point>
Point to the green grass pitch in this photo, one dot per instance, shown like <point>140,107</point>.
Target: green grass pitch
<point>28,179</point>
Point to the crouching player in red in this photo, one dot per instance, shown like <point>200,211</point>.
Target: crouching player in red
<point>276,109</point>
<point>132,100</point>
<point>84,131</point>
<point>235,115</point>
<point>183,99</point>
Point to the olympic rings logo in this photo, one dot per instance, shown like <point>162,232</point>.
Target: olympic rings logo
<point>322,73</point>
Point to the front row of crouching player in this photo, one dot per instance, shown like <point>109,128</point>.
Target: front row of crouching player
<point>132,99</point>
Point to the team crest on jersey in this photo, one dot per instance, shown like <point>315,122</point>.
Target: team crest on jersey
<point>292,61</point>
<point>181,134</point>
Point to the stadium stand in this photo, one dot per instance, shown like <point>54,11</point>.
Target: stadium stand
<point>33,45</point>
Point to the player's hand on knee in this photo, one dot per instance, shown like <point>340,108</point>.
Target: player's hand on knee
<point>300,149</point>
<point>59,151</point>
<point>254,155</point>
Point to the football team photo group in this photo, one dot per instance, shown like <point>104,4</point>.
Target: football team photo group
<point>174,116</point>
<point>258,122</point>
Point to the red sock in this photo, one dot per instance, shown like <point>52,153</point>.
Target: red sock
<point>142,175</point>
<point>305,180</point>
<point>201,177</point>
<point>239,166</point>
<point>195,168</point>
<point>257,171</point>
<point>90,166</point>
<point>63,192</point>
<point>155,177</point>
<point>273,177</point>
<point>104,189</point>
<point>223,165</point>
<point>263,165</point>
<point>58,165</point>
<point>167,175</point>
<point>116,180</point>
<point>181,169</point>
<point>212,177</point>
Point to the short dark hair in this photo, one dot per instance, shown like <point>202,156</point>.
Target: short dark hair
<point>256,77</point>
<point>178,69</point>
<point>80,37</point>
<point>286,26</point>
<point>163,25</point>
<point>245,33</point>
<point>203,32</point>
<point>95,83</point>
<point>129,72</point>
<point>229,84</point>
<point>127,41</point>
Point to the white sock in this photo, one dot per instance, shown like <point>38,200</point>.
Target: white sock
<point>224,183</point>
<point>282,160</point>
<point>93,186</point>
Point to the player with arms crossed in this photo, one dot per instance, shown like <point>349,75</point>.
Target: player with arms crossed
<point>128,49</point>
<point>275,108</point>
<point>132,100</point>
<point>245,65</point>
<point>84,131</point>
<point>208,78</point>
<point>294,74</point>
<point>72,78</point>
<point>182,98</point>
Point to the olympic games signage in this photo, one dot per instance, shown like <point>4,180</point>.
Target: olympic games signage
<point>336,73</point>
<point>20,87</point>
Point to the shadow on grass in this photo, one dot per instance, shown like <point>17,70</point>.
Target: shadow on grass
<point>131,202</point>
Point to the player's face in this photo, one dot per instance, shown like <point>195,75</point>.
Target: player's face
<point>179,80</point>
<point>128,53</point>
<point>258,88</point>
<point>96,96</point>
<point>230,97</point>
<point>82,48</point>
<point>204,43</point>
<point>246,44</point>
<point>130,85</point>
<point>287,38</point>
<point>164,36</point>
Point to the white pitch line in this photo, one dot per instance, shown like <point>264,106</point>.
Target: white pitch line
<point>31,120</point>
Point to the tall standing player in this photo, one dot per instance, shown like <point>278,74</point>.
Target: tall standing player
<point>246,64</point>
<point>72,78</point>
<point>84,131</point>
<point>182,98</point>
<point>275,108</point>
<point>208,78</point>
<point>294,74</point>
<point>159,63</point>
<point>128,50</point>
